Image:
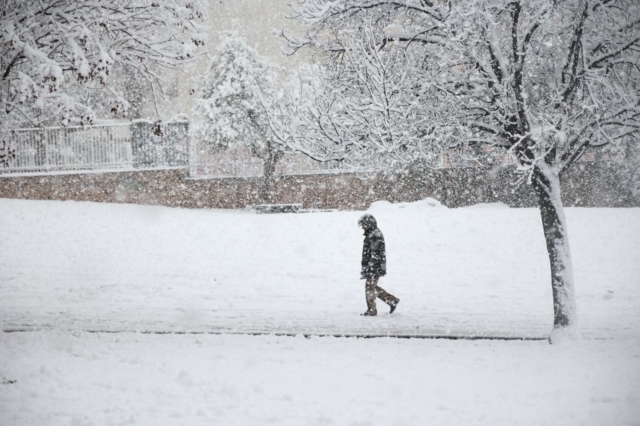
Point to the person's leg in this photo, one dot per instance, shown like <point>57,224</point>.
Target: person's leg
<point>370,294</point>
<point>387,298</point>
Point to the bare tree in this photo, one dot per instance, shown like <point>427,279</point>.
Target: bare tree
<point>542,80</point>
<point>55,53</point>
<point>360,107</point>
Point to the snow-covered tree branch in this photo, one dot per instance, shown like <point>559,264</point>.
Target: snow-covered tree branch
<point>53,53</point>
<point>361,107</point>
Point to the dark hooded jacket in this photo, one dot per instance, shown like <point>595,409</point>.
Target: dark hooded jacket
<point>374,258</point>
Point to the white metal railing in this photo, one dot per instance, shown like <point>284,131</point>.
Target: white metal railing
<point>239,163</point>
<point>135,145</point>
<point>69,148</point>
<point>145,144</point>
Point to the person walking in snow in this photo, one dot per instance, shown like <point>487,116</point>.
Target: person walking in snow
<point>374,266</point>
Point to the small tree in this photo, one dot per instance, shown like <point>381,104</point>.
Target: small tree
<point>55,55</point>
<point>544,81</point>
<point>236,93</point>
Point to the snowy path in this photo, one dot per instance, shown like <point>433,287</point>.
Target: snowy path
<point>328,323</point>
<point>294,323</point>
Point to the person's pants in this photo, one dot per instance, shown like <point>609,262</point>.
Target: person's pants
<point>371,291</point>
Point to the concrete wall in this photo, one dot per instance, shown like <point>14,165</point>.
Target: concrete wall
<point>588,185</point>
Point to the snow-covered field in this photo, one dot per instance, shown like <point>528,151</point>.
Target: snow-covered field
<point>69,268</point>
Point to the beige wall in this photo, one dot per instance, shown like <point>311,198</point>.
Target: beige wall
<point>590,185</point>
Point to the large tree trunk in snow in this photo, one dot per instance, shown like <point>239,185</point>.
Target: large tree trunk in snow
<point>546,183</point>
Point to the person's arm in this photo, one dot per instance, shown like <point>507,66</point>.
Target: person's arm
<point>377,261</point>
<point>366,258</point>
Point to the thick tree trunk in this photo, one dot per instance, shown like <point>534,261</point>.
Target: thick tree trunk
<point>546,183</point>
<point>269,169</point>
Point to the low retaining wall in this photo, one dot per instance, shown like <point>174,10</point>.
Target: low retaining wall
<point>586,185</point>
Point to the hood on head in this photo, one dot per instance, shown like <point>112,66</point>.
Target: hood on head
<point>367,222</point>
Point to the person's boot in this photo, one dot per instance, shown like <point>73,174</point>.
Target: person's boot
<point>394,306</point>
<point>369,314</point>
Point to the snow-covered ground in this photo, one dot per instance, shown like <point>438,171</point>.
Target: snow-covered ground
<point>119,379</point>
<point>69,268</point>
